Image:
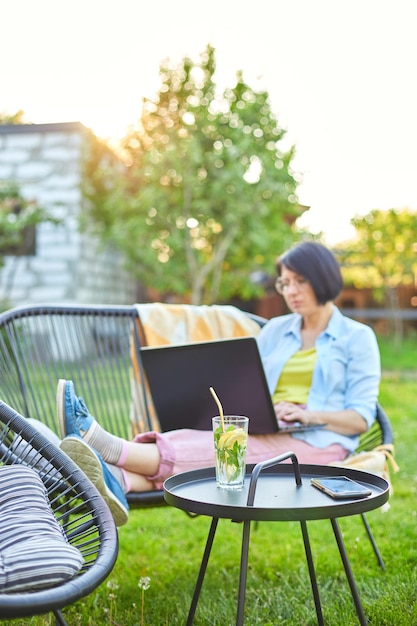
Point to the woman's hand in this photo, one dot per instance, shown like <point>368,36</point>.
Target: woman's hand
<point>290,412</point>
<point>345,422</point>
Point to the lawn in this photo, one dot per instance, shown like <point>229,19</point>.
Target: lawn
<point>166,545</point>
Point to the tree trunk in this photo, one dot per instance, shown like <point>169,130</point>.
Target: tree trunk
<point>396,321</point>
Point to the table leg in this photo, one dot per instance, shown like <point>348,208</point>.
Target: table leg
<point>349,574</point>
<point>203,567</point>
<point>243,573</point>
<point>312,572</point>
<point>373,542</point>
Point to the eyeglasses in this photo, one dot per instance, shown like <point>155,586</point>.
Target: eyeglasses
<point>282,285</point>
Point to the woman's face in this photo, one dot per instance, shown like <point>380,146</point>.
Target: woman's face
<point>297,291</point>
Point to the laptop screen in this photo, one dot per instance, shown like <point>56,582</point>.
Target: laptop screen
<point>180,377</point>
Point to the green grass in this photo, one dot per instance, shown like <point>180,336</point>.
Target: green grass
<point>167,546</point>
<point>396,357</point>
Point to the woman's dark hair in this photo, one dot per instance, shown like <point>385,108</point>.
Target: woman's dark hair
<point>318,265</point>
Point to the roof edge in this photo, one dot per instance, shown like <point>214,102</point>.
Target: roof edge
<point>57,127</point>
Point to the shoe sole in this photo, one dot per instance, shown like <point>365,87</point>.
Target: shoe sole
<point>60,406</point>
<point>87,461</point>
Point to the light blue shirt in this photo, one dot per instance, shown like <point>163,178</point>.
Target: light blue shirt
<point>346,375</point>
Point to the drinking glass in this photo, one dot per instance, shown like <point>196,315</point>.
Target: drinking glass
<point>230,441</point>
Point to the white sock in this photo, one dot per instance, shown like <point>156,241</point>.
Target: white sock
<point>107,445</point>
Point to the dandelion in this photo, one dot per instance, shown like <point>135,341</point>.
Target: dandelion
<point>144,584</point>
<point>112,586</point>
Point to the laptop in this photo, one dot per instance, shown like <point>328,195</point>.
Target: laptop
<point>180,377</point>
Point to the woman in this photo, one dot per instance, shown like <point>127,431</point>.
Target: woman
<point>320,366</point>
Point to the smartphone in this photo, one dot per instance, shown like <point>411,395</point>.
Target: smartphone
<point>341,487</point>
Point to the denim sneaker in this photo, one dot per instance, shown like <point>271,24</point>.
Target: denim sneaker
<point>93,466</point>
<point>73,415</point>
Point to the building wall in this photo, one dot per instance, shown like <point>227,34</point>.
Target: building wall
<point>68,267</point>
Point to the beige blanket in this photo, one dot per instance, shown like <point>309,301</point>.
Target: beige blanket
<point>164,324</point>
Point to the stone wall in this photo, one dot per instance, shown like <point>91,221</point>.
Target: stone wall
<point>68,266</point>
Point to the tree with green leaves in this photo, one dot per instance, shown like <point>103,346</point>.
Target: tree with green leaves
<point>14,118</point>
<point>208,196</point>
<point>383,255</point>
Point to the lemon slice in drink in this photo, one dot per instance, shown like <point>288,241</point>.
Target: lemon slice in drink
<point>228,439</point>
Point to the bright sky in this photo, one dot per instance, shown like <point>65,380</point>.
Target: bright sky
<point>341,75</point>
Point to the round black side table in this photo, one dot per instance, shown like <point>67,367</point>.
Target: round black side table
<point>274,491</point>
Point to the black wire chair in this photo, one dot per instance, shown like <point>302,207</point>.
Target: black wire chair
<point>94,345</point>
<point>379,434</point>
<point>78,507</point>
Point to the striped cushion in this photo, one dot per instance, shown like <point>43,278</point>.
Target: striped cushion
<point>34,552</point>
